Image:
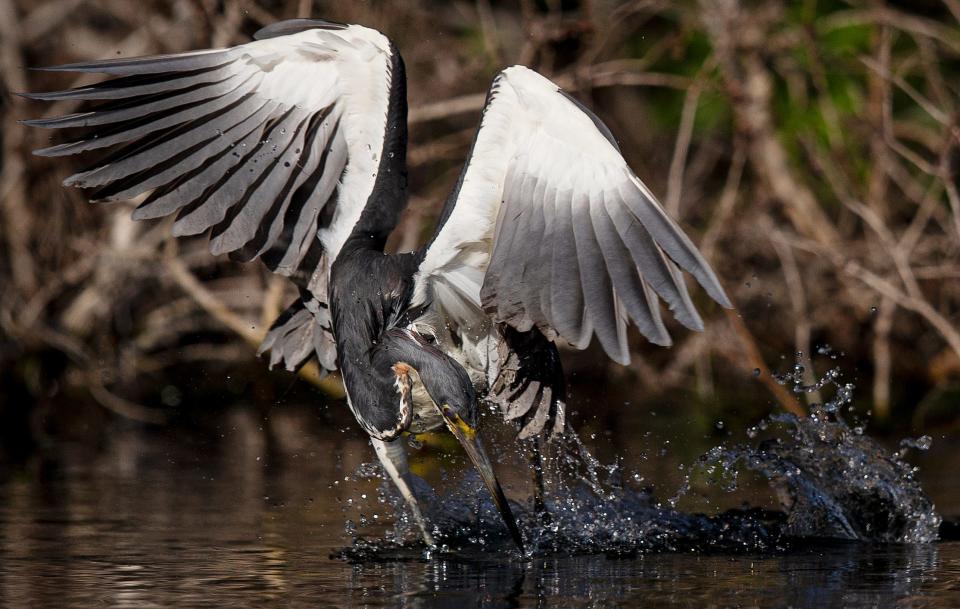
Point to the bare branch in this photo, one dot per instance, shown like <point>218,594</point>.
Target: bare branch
<point>682,145</point>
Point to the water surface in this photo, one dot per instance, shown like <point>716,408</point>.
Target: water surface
<point>252,512</point>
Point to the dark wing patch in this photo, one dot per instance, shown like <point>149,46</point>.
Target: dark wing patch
<point>302,330</point>
<point>213,149</point>
<point>295,26</point>
<point>530,388</point>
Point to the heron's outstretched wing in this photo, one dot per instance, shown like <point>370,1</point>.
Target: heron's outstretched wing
<point>550,228</point>
<point>272,146</point>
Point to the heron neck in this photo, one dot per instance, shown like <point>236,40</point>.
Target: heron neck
<point>369,293</point>
<point>389,194</point>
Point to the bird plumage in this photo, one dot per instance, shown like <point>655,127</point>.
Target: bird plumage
<point>274,146</point>
<point>550,228</point>
<point>292,149</point>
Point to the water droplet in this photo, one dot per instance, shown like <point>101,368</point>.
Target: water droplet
<point>921,443</point>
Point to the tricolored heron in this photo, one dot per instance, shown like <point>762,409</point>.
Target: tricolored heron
<point>292,149</point>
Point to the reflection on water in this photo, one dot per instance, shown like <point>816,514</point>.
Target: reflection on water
<point>245,517</point>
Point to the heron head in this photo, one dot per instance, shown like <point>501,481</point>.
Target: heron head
<point>416,359</point>
<point>453,394</point>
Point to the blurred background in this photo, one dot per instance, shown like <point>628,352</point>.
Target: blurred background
<point>810,148</point>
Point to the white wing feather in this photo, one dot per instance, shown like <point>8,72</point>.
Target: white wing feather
<point>227,137</point>
<point>272,146</point>
<point>551,228</point>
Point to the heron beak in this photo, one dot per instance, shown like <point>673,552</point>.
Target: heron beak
<point>468,437</point>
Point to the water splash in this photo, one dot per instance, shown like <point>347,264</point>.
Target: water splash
<point>837,481</point>
<point>833,481</point>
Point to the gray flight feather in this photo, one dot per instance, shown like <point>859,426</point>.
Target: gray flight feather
<point>187,98</point>
<point>597,289</point>
<point>652,264</point>
<point>181,62</point>
<point>623,272</point>
<point>276,159</point>
<point>140,128</point>
<point>200,140</point>
<point>673,240</point>
<point>135,86</point>
<point>566,296</point>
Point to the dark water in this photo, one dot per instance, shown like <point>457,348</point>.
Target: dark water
<point>251,511</point>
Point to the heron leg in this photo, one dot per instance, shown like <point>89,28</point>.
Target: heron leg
<point>393,457</point>
<point>539,489</point>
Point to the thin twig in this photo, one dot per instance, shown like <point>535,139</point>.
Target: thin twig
<point>882,359</point>
<point>684,134</point>
<point>598,77</point>
<point>944,34</point>
<point>798,302</point>
<point>936,113</point>
<point>755,361</point>
<point>121,406</point>
<point>249,332</point>
<point>719,221</point>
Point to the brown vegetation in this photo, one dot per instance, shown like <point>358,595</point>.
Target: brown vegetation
<point>810,148</point>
